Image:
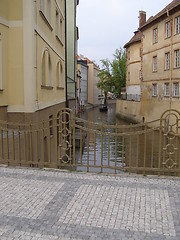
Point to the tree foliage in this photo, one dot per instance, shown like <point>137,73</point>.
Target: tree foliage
<point>113,73</point>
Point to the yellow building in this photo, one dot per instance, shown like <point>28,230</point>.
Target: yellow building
<point>32,59</point>
<point>133,62</point>
<point>160,62</point>
<point>93,91</point>
<point>154,65</point>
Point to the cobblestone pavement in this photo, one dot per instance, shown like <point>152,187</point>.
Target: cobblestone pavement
<point>44,205</point>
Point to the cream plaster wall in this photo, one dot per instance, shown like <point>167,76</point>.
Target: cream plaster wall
<point>25,34</point>
<point>129,110</point>
<point>53,93</point>
<point>133,64</point>
<point>93,79</point>
<point>4,65</point>
<point>151,107</point>
<point>15,67</point>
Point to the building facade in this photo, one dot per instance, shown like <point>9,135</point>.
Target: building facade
<point>160,62</point>
<point>153,65</point>
<point>82,83</point>
<point>71,41</point>
<point>32,59</point>
<point>93,91</point>
<point>134,62</point>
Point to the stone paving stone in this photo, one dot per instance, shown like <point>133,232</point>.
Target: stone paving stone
<point>44,205</point>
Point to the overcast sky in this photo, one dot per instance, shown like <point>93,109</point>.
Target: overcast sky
<point>105,25</point>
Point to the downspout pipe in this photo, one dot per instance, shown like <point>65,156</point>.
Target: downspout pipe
<point>67,103</point>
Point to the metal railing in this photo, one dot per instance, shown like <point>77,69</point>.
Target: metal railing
<point>66,141</point>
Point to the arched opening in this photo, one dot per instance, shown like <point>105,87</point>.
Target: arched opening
<point>46,69</point>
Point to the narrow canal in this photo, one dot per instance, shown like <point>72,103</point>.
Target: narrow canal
<point>109,117</point>
<point>98,151</point>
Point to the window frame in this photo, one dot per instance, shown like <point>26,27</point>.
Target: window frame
<point>51,132</point>
<point>154,65</point>
<point>168,29</point>
<point>46,70</point>
<point>177,25</point>
<point>59,75</point>
<point>167,61</point>
<point>175,90</point>
<point>154,89</point>
<point>155,35</point>
<point>166,93</point>
<point>176,58</point>
<point>45,12</point>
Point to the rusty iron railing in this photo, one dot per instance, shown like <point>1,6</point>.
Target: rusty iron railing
<point>65,141</point>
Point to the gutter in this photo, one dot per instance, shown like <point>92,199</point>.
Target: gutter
<point>67,103</point>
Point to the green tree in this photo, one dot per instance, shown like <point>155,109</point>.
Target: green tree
<point>113,73</point>
<point>119,70</point>
<point>105,82</point>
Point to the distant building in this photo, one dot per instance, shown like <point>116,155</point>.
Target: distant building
<point>153,66</point>
<point>93,91</point>
<point>32,59</point>
<point>82,83</point>
<point>72,37</point>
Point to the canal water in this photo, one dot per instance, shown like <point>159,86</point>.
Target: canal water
<point>134,146</point>
<point>109,117</point>
<point>110,151</point>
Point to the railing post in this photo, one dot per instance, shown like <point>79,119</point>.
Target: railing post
<point>74,142</point>
<point>101,148</point>
<point>160,139</point>
<point>116,149</point>
<point>145,142</point>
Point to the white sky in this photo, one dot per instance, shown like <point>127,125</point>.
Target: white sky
<point>105,25</point>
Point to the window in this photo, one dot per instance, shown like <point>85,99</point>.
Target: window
<point>155,35</point>
<point>177,25</point>
<point>128,55</point>
<point>0,64</point>
<point>42,5</point>
<point>57,23</point>
<point>166,90</point>
<point>51,125</point>
<point>155,64</point>
<point>49,10</point>
<point>154,90</point>
<point>61,29</point>
<point>168,29</point>
<point>45,11</point>
<point>167,60</point>
<point>176,89</point>
<point>176,58</point>
<point>129,76</point>
<point>46,69</point>
<point>60,79</point>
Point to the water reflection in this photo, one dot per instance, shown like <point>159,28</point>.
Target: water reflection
<point>106,151</point>
<point>109,117</point>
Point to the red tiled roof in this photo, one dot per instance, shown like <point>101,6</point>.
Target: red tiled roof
<point>135,38</point>
<point>165,10</point>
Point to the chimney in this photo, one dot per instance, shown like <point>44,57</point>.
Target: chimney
<point>142,18</point>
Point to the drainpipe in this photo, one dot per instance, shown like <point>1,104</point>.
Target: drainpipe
<point>171,62</point>
<point>67,103</point>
